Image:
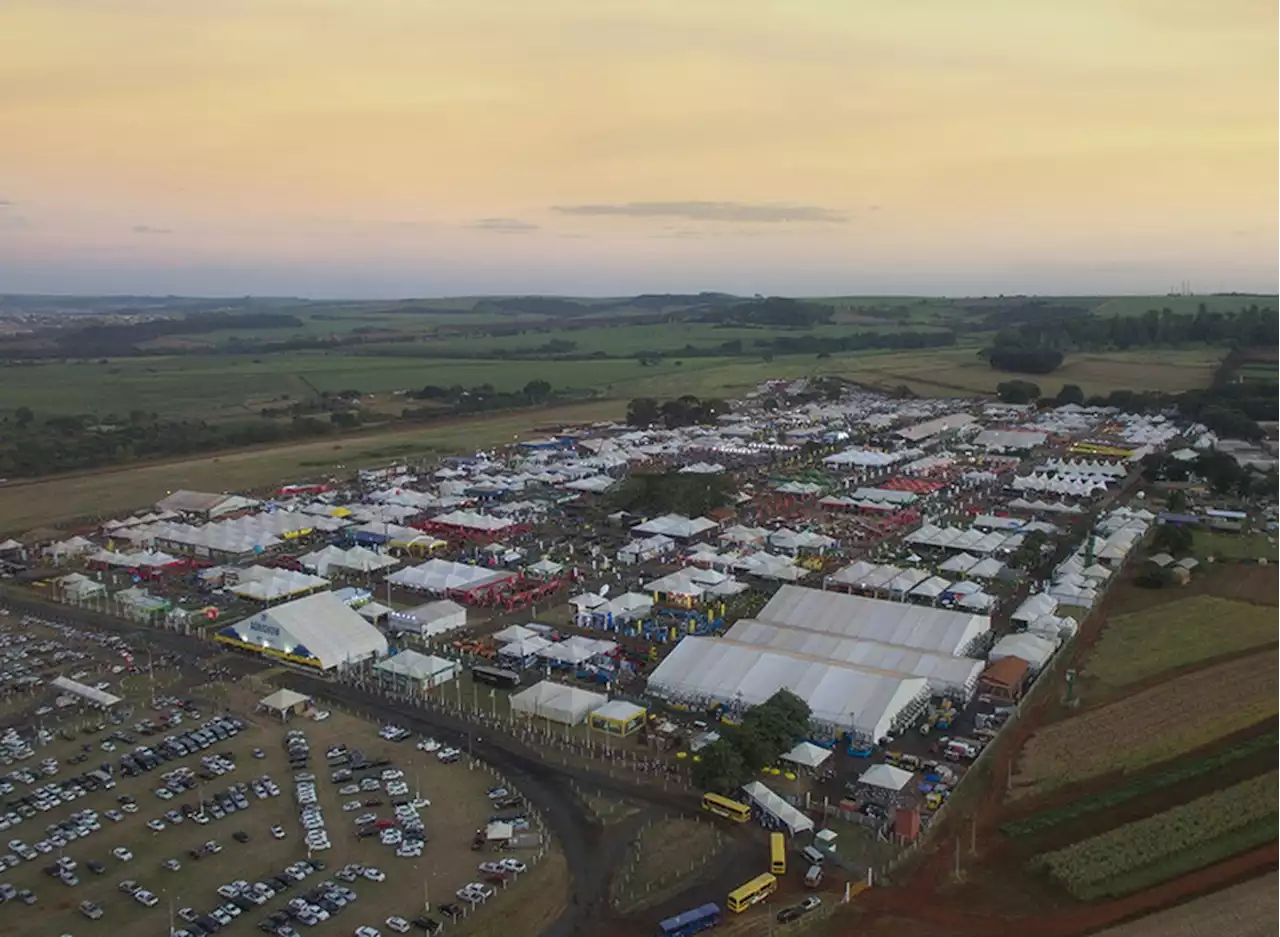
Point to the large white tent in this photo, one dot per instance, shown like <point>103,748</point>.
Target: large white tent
<point>441,576</point>
<point>568,705</point>
<point>266,584</point>
<point>938,631</point>
<point>946,675</point>
<point>866,701</point>
<point>320,629</point>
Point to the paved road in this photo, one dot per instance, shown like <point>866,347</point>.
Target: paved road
<point>591,851</point>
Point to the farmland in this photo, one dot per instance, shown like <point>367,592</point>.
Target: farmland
<point>1244,910</point>
<point>1163,722</point>
<point>1148,851</point>
<point>1175,634</point>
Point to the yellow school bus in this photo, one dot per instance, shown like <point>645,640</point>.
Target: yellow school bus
<point>777,854</point>
<point>724,807</point>
<point>755,891</point>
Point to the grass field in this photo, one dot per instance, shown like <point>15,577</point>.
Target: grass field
<point>1226,546</point>
<point>1168,844</point>
<point>1175,634</point>
<point>1244,910</point>
<point>1155,725</point>
<point>27,504</point>
<point>668,853</point>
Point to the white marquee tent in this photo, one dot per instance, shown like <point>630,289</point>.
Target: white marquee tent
<point>556,702</point>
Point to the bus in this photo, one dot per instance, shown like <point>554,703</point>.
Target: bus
<point>777,854</point>
<point>724,807</point>
<point>755,891</point>
<point>690,922</point>
<point>495,676</point>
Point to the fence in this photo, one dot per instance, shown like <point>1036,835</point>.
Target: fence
<point>969,787</point>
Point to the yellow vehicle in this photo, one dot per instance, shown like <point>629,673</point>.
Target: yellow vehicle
<point>777,854</point>
<point>724,807</point>
<point>755,891</point>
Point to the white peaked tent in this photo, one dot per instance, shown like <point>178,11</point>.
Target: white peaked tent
<point>777,808</point>
<point>556,702</point>
<point>885,777</point>
<point>807,755</point>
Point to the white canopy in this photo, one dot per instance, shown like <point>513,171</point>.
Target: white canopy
<point>557,702</point>
<point>774,805</point>
<point>807,755</point>
<point>885,777</point>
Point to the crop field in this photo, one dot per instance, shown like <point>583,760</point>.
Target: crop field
<point>1115,795</point>
<point>1244,910</point>
<point>1168,720</point>
<point>1156,848</point>
<point>1174,634</point>
<point>24,505</point>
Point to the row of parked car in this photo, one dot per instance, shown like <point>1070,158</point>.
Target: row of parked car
<point>146,758</point>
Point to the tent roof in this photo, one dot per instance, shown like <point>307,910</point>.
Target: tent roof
<point>771,803</point>
<point>807,754</point>
<point>851,616</point>
<point>886,777</point>
<point>329,629</point>
<point>284,699</point>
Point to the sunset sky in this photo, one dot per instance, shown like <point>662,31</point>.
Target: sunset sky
<point>423,147</point>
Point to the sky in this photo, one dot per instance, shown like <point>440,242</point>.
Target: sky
<point>389,148</point>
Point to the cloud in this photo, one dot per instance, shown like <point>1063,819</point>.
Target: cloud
<point>504,225</point>
<point>5,203</point>
<point>763,213</point>
<point>148,229</point>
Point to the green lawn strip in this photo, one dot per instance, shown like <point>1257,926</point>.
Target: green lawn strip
<point>1138,787</point>
<point>1232,843</point>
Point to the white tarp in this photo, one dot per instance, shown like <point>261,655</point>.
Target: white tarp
<point>776,807</point>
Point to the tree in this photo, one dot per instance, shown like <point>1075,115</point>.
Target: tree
<point>643,411</point>
<point>24,417</point>
<point>721,768</point>
<point>537,391</point>
<point>1173,539</point>
<point>1017,392</point>
<point>1177,501</point>
<point>1070,393</point>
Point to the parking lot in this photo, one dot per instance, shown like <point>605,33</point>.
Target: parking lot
<point>208,828</point>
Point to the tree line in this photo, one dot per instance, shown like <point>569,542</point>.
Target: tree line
<point>1039,346</point>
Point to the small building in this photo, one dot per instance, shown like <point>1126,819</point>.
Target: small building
<point>906,824</point>
<point>285,703</point>
<point>1004,679</point>
<point>91,695</point>
<point>414,674</point>
<point>430,619</point>
<point>618,717</point>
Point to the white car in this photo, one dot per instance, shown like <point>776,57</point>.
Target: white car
<point>398,924</point>
<point>122,854</point>
<point>419,802</point>
<point>409,850</point>
<point>320,715</point>
<point>428,745</point>
<point>145,898</point>
<point>513,865</point>
<point>366,818</point>
<point>367,932</point>
<point>351,806</point>
<point>278,832</point>
<point>374,875</point>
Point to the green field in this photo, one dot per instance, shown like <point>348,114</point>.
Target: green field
<point>1174,634</point>
<point>1235,547</point>
<point>1165,845</point>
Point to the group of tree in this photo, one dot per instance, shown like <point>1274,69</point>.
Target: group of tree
<point>767,732</point>
<point>657,493</point>
<point>682,411</point>
<point>534,392</point>
<point>1011,353</point>
<point>1218,470</point>
<point>99,339</point>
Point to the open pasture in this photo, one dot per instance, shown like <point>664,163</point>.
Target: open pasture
<point>1175,634</point>
<point>1143,853</point>
<point>1154,725</point>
